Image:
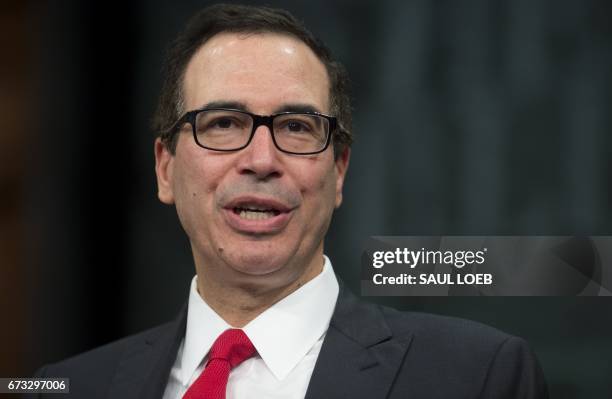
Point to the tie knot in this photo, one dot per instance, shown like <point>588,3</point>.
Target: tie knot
<point>232,345</point>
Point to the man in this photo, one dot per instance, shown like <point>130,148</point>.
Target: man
<point>254,146</point>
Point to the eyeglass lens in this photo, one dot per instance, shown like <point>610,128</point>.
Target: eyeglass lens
<point>227,130</point>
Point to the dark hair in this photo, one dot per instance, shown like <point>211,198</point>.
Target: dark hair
<point>244,19</point>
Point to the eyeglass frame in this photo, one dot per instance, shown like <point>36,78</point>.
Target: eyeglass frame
<point>258,120</point>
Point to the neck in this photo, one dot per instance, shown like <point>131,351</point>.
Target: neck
<point>240,302</point>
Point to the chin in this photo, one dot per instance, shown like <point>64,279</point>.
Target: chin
<point>257,263</point>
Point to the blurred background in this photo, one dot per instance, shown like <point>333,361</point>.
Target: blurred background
<point>471,117</point>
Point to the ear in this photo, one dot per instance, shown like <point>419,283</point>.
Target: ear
<point>342,163</point>
<point>164,162</point>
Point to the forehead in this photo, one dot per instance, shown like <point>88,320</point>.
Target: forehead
<point>264,71</point>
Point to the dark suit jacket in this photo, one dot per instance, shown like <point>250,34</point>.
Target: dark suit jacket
<point>369,352</point>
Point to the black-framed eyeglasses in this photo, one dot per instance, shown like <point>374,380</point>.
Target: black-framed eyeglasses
<point>226,129</point>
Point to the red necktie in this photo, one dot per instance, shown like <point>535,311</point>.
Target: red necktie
<point>229,350</point>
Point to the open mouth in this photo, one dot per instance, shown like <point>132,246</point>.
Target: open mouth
<point>255,212</point>
<point>257,215</point>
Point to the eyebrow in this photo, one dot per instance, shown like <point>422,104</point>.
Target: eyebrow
<point>297,107</point>
<point>225,104</point>
<point>290,107</point>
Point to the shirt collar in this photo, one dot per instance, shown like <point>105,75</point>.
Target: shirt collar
<point>283,334</point>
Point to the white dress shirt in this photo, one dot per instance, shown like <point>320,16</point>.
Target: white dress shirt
<point>288,338</point>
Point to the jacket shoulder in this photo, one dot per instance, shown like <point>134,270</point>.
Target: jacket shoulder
<point>91,373</point>
<point>109,353</point>
<point>442,328</point>
<point>477,358</point>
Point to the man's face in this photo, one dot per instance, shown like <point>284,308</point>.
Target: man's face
<point>263,74</point>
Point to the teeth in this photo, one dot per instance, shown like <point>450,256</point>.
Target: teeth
<point>255,215</point>
<point>255,208</point>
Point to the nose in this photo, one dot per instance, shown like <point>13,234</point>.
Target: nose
<point>261,158</point>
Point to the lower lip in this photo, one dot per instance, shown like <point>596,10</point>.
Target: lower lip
<point>270,225</point>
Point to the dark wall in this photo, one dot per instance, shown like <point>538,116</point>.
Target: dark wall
<point>479,117</point>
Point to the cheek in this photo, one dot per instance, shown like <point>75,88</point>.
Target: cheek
<point>196,183</point>
<point>320,187</point>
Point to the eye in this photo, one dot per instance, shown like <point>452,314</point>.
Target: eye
<point>297,126</point>
<point>222,123</point>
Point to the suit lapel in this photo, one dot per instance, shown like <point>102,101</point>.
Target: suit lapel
<point>144,369</point>
<point>360,357</point>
